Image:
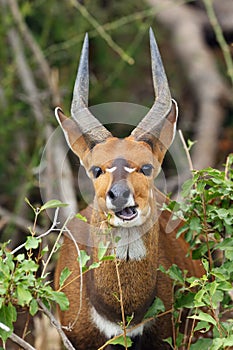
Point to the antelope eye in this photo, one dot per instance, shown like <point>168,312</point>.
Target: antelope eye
<point>96,171</point>
<point>146,169</point>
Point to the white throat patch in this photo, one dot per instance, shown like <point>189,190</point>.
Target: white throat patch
<point>130,245</point>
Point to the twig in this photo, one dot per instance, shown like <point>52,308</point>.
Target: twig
<point>191,332</point>
<point>121,301</point>
<point>186,150</point>
<point>16,339</point>
<point>52,228</point>
<point>229,163</point>
<point>109,26</point>
<point>55,244</point>
<point>17,220</point>
<point>81,278</point>
<point>140,15</point>
<point>57,325</point>
<point>134,327</point>
<point>220,37</point>
<point>82,9</point>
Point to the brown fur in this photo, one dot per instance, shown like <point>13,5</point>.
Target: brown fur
<point>139,283</point>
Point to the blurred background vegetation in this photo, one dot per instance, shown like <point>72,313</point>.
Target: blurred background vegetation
<point>40,43</point>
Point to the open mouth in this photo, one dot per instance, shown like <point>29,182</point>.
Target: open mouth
<point>128,213</point>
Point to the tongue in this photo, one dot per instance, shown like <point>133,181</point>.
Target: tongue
<point>127,213</point>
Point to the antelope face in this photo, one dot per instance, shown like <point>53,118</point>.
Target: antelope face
<point>122,170</point>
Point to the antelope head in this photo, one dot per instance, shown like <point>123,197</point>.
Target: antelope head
<point>122,170</point>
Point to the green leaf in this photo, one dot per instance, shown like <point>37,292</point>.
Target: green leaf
<point>33,307</point>
<point>217,344</point>
<point>83,258</point>
<point>44,250</point>
<point>28,202</point>
<point>185,300</point>
<point>32,243</point>
<point>102,249</point>
<point>53,203</point>
<point>8,316</point>
<point>28,266</point>
<point>195,224</point>
<point>64,275</point>
<point>203,344</point>
<point>186,188</point>
<point>228,341</point>
<point>181,230</point>
<point>190,144</point>
<point>108,258</point>
<point>121,341</point>
<point>23,295</point>
<point>169,341</point>
<point>20,257</point>
<point>61,299</point>
<point>155,308</point>
<point>205,264</point>
<point>81,217</point>
<point>202,316</point>
<point>95,265</point>
<point>202,327</point>
<point>175,273</point>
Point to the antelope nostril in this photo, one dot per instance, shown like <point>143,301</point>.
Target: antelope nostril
<point>126,194</point>
<point>111,194</point>
<point>119,191</point>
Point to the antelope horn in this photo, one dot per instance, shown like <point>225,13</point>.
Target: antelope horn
<point>90,127</point>
<point>153,121</point>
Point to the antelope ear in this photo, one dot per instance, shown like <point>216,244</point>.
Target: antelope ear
<point>168,130</point>
<point>74,137</point>
<point>161,137</point>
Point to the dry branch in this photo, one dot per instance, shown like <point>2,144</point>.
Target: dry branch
<point>32,44</point>
<point>22,343</point>
<point>28,82</point>
<point>57,325</point>
<point>16,339</point>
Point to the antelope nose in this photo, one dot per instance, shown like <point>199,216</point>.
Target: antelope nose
<point>119,194</point>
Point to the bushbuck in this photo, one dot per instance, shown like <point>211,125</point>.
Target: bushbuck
<point>126,212</point>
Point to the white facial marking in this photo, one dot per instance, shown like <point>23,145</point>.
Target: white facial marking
<point>111,329</point>
<point>129,170</point>
<point>111,170</point>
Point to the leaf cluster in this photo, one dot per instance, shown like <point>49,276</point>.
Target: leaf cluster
<point>207,209</point>
<point>21,282</point>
